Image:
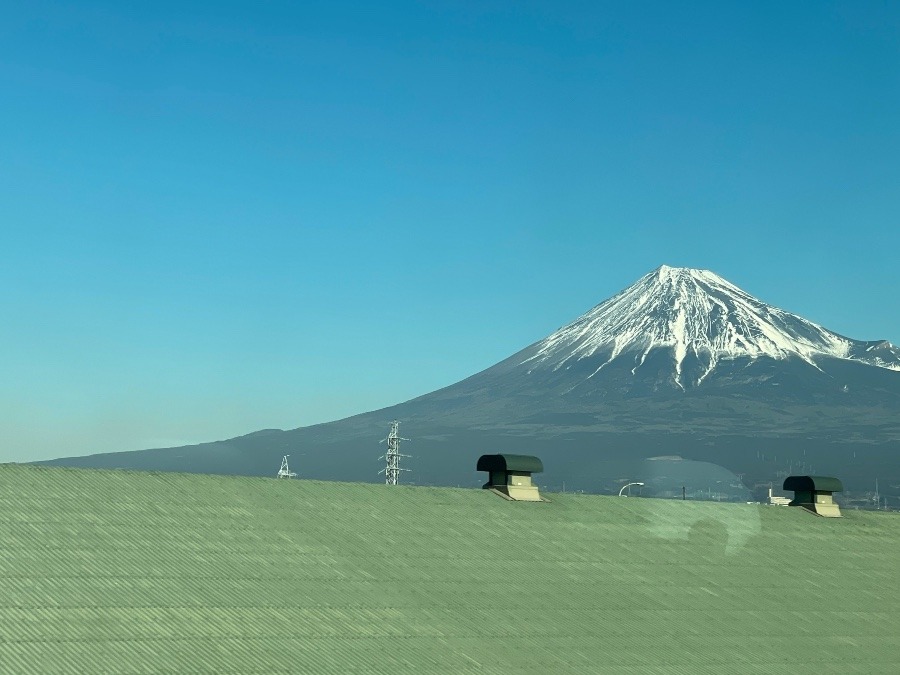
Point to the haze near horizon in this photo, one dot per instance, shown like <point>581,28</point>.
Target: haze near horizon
<point>221,220</point>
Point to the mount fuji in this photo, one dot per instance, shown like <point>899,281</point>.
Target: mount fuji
<point>681,363</point>
<point>698,319</point>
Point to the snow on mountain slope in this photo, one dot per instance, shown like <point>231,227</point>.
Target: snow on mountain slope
<point>699,314</point>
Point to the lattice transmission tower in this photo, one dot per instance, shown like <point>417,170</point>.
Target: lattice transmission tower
<point>392,457</point>
<point>284,471</point>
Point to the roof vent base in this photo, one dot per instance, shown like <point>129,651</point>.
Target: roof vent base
<point>826,511</point>
<point>517,493</point>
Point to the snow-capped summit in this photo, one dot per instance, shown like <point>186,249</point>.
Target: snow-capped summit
<point>701,320</point>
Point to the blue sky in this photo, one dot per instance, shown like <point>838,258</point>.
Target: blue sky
<point>222,217</point>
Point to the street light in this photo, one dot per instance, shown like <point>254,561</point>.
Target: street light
<point>627,486</point>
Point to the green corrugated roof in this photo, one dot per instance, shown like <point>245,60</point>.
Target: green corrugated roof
<point>117,572</point>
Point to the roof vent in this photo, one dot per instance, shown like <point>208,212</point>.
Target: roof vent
<point>510,476</point>
<point>814,493</point>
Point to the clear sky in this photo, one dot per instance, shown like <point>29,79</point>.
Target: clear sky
<point>222,217</point>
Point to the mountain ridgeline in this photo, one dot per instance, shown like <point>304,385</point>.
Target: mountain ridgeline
<point>681,363</point>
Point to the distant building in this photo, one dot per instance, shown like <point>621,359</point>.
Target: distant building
<point>774,500</point>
